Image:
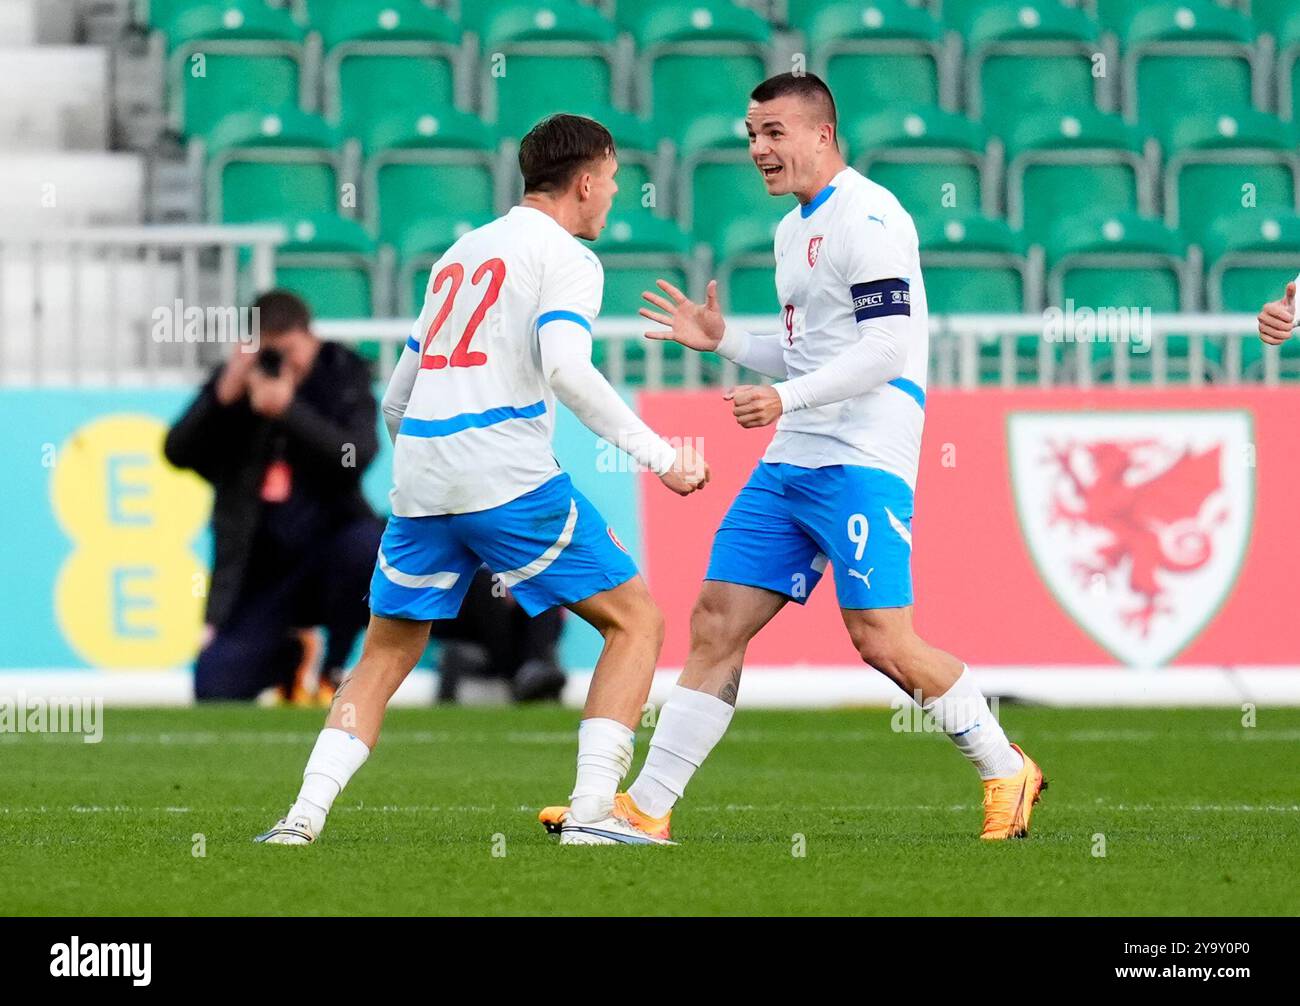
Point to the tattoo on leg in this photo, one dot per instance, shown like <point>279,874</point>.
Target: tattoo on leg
<point>731,689</point>
<point>339,691</point>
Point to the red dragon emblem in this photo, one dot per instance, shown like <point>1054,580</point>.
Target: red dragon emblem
<point>1153,523</point>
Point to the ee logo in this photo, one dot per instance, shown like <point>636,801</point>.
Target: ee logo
<point>124,595</point>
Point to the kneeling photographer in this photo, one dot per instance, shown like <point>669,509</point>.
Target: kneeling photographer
<point>284,435</point>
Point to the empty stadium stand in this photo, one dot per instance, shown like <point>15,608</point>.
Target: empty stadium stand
<point>1106,152</point>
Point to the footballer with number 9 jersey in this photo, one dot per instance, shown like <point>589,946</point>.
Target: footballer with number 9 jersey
<point>836,484</point>
<point>505,331</point>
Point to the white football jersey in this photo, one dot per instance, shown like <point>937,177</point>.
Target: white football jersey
<point>851,253</point>
<point>478,425</point>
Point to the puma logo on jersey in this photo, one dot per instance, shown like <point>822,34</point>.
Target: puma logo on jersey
<point>864,577</point>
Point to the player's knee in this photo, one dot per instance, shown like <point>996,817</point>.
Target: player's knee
<point>640,619</point>
<point>711,629</point>
<point>882,650</point>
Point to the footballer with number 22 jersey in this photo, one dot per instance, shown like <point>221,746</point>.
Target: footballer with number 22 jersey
<point>504,333</point>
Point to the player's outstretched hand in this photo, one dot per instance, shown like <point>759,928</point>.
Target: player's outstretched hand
<point>689,472</point>
<point>695,326</point>
<point>1277,319</point>
<point>754,405</point>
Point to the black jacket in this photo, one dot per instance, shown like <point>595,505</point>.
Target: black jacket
<point>231,446</point>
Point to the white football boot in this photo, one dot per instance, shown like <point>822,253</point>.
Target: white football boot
<point>286,832</point>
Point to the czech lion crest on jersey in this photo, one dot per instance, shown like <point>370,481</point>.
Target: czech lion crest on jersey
<point>1137,521</point>
<point>814,249</point>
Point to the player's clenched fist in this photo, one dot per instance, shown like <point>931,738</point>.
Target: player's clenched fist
<point>1277,320</point>
<point>688,473</point>
<point>754,405</point>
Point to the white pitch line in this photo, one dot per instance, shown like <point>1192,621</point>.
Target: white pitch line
<point>1198,808</point>
<point>738,736</point>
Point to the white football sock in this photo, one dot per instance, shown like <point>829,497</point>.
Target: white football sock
<point>335,758</point>
<point>964,716</point>
<point>604,756</point>
<point>690,724</point>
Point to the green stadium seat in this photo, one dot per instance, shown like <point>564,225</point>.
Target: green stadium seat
<point>1030,57</point>
<point>545,57</point>
<point>471,15</point>
<point>644,165</point>
<point>1188,55</point>
<point>977,265</point>
<point>332,263</point>
<point>318,12</point>
<point>699,59</point>
<point>1058,162</point>
<point>635,251</point>
<point>403,54</point>
<point>422,244</point>
<point>937,163</point>
<point>628,14</point>
<point>717,182</point>
<point>1288,59</point>
<point>1217,162</point>
<point>269,164</point>
<point>224,57</point>
<point>1114,15</point>
<point>1251,258</point>
<point>981,266</point>
<point>1272,15</point>
<point>957,14</point>
<point>879,55</point>
<point>427,164</point>
<point>1123,263</point>
<point>157,13</point>
<point>746,276</point>
<point>746,270</point>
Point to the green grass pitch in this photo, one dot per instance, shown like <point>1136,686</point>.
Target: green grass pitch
<point>796,813</point>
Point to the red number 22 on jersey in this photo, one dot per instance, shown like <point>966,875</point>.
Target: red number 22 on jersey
<point>454,274</point>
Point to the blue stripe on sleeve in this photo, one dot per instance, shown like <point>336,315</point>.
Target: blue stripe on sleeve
<point>572,316</point>
<point>412,344</point>
<point>911,389</point>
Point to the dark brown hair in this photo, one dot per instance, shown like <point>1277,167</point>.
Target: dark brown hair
<point>807,86</point>
<point>558,147</point>
<point>281,311</point>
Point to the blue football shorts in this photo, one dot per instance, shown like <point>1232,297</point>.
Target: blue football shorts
<point>788,522</point>
<point>549,546</point>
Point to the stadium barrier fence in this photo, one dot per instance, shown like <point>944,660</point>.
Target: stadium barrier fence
<point>108,545</point>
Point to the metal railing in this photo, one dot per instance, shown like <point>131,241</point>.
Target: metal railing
<point>82,305</point>
<point>967,351</point>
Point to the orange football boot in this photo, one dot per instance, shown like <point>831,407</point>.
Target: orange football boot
<point>1008,802</point>
<point>625,810</point>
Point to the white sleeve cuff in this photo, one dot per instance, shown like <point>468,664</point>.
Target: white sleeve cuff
<point>734,343</point>
<point>788,397</point>
<point>663,456</point>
